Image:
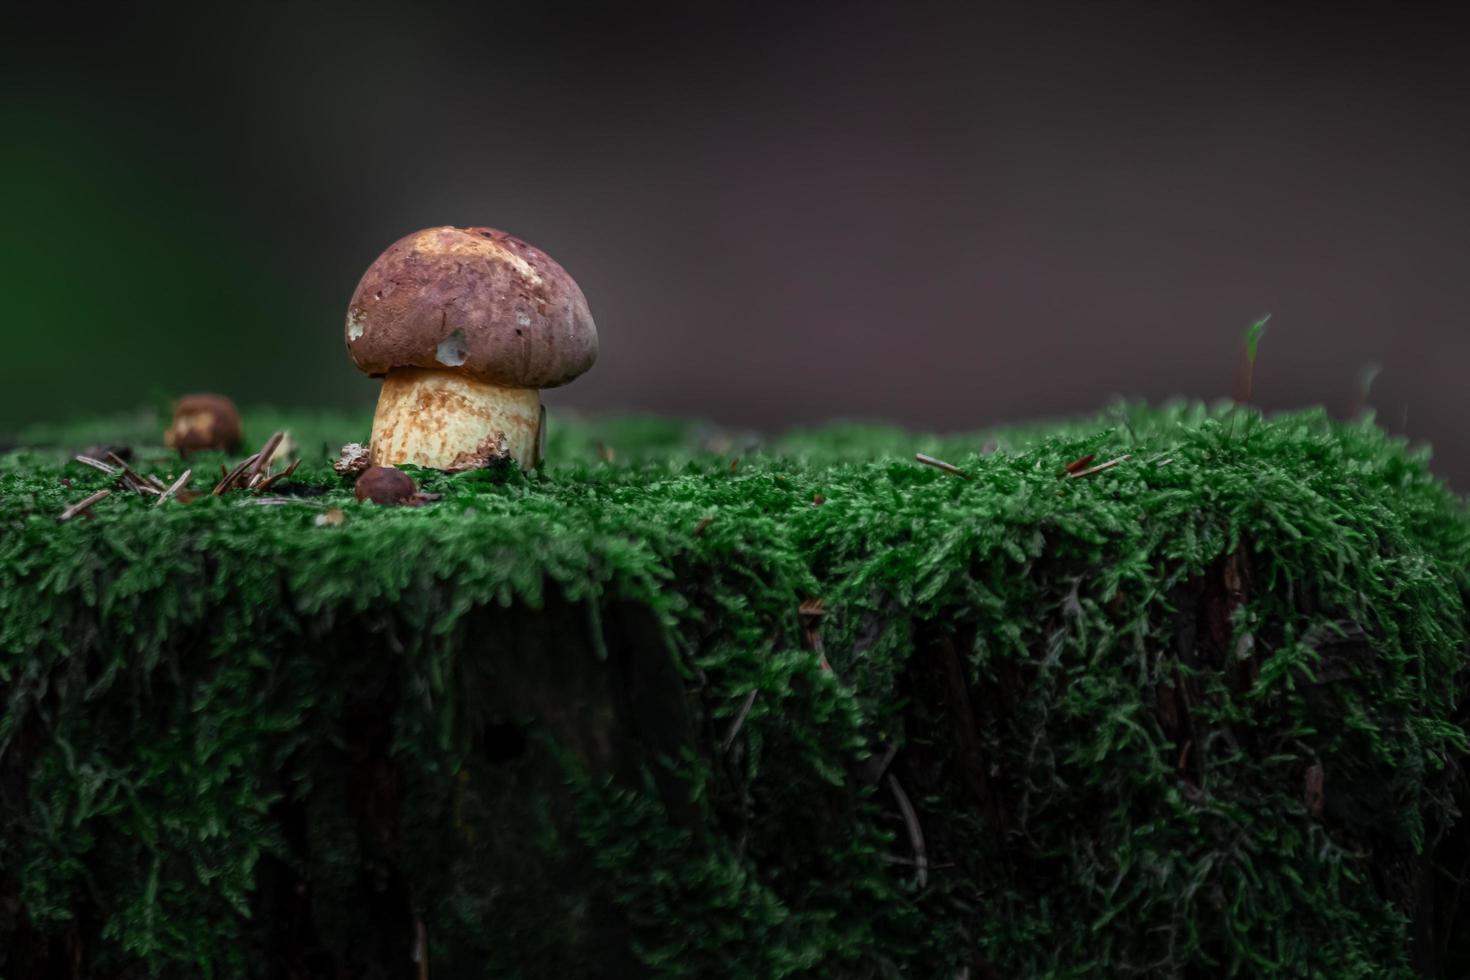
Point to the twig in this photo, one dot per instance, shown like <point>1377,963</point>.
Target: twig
<point>940,464</point>
<point>174,488</point>
<point>916,833</point>
<point>131,477</point>
<point>234,474</point>
<point>1078,464</point>
<point>421,948</point>
<point>876,766</point>
<point>704,522</point>
<point>909,862</point>
<point>263,458</point>
<point>739,719</point>
<point>83,506</point>
<point>120,462</point>
<point>270,481</point>
<point>97,464</point>
<point>1100,467</point>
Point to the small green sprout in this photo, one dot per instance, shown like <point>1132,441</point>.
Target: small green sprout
<point>1248,366</point>
<point>1253,338</point>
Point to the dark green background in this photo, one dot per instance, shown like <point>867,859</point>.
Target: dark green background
<point>941,216</point>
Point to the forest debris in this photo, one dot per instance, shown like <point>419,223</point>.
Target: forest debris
<point>353,459</point>
<point>740,717</point>
<point>253,472</point>
<point>141,484</point>
<point>174,488</point>
<point>232,476</point>
<point>916,832</point>
<point>286,449</point>
<point>1100,467</point>
<point>96,464</point>
<point>125,474</point>
<point>940,464</point>
<point>1072,468</point>
<point>264,457</point>
<point>270,481</point>
<point>704,522</point>
<point>81,507</point>
<point>335,517</point>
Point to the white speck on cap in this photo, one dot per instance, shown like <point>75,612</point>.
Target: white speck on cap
<point>452,350</point>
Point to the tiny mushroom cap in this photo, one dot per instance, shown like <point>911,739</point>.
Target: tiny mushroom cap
<point>464,325</point>
<point>202,423</point>
<point>385,485</point>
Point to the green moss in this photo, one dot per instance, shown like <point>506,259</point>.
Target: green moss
<point>1104,697</point>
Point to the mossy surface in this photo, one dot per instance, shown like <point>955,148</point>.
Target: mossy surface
<point>1199,714</point>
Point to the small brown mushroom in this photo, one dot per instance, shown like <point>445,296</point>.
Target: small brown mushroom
<point>202,423</point>
<point>387,486</point>
<point>464,326</point>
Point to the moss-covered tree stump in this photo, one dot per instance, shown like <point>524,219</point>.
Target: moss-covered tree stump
<point>676,706</point>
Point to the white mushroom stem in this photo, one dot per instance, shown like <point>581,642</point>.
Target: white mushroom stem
<point>446,421</point>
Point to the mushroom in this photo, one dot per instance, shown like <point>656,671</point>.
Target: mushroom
<point>385,485</point>
<point>202,423</point>
<point>464,326</point>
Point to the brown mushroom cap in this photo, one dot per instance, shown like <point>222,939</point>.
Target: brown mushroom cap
<point>474,300</point>
<point>202,423</point>
<point>385,485</point>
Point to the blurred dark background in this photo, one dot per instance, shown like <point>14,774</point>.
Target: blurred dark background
<point>942,215</point>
